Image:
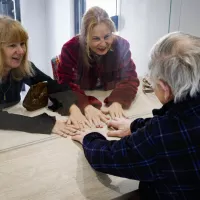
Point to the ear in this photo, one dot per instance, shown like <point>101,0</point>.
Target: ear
<point>166,90</point>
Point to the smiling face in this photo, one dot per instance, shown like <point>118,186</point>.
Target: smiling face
<point>13,46</point>
<point>101,39</point>
<point>13,54</point>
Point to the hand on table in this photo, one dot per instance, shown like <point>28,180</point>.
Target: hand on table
<point>114,110</point>
<point>95,116</point>
<point>62,129</point>
<point>77,119</point>
<point>122,127</point>
<point>79,135</point>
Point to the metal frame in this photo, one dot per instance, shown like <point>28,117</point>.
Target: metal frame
<point>10,8</point>
<point>79,10</point>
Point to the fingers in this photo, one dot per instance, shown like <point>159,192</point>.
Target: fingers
<point>79,124</point>
<point>94,120</point>
<point>120,114</point>
<point>112,114</point>
<point>97,122</point>
<point>113,123</point>
<point>78,138</point>
<point>69,121</point>
<point>117,133</point>
<point>74,122</point>
<point>124,115</point>
<point>61,133</point>
<point>70,131</point>
<point>104,118</point>
<point>104,110</point>
<point>116,113</point>
<point>88,123</point>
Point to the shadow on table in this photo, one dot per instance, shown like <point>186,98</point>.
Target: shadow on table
<point>93,184</point>
<point>134,195</point>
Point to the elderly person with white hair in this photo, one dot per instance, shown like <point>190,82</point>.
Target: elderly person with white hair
<point>162,152</point>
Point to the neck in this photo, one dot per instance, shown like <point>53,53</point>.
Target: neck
<point>6,73</point>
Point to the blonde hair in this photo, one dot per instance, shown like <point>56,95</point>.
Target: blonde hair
<point>11,31</point>
<point>91,18</point>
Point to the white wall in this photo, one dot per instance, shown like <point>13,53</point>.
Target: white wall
<point>49,24</point>
<point>175,15</point>
<point>60,25</point>
<point>188,16</point>
<point>33,19</point>
<point>108,5</point>
<point>142,23</point>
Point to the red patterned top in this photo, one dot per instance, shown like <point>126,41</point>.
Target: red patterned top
<point>115,70</point>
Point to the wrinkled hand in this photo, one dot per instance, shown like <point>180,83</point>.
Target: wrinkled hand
<point>79,135</point>
<point>95,116</point>
<point>122,127</point>
<point>114,110</point>
<point>62,129</point>
<point>77,119</point>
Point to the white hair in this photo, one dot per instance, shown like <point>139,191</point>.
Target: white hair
<point>175,59</point>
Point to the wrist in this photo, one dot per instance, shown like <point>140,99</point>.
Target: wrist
<point>87,107</point>
<point>116,103</point>
<point>73,108</point>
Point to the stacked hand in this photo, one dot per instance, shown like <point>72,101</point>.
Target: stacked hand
<point>79,135</point>
<point>122,127</point>
<point>114,110</point>
<point>79,125</point>
<point>62,129</point>
<point>77,119</point>
<point>95,116</point>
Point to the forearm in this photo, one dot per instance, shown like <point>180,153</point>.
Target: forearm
<point>127,80</point>
<point>105,156</point>
<point>127,157</point>
<point>101,154</point>
<point>139,123</point>
<point>40,124</point>
<point>124,93</point>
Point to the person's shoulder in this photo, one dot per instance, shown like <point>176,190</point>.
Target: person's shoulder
<point>120,45</point>
<point>33,69</point>
<point>120,42</point>
<point>73,43</point>
<point>32,66</point>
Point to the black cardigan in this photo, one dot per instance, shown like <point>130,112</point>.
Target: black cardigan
<point>61,96</point>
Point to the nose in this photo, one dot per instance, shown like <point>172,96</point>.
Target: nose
<point>103,42</point>
<point>20,49</point>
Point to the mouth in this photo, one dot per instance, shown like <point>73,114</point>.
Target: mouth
<point>102,49</point>
<point>17,58</point>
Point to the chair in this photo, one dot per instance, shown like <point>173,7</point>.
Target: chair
<point>54,63</point>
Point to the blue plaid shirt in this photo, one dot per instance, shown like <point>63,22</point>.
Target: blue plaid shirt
<point>163,152</point>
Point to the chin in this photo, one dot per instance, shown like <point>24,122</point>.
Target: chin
<point>102,53</point>
<point>15,66</point>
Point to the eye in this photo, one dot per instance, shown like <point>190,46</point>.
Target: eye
<point>22,44</point>
<point>12,45</point>
<point>107,37</point>
<point>95,39</point>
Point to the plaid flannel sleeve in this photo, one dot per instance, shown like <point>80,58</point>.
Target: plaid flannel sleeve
<point>132,157</point>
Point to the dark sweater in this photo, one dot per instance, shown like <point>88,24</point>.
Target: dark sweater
<point>61,96</point>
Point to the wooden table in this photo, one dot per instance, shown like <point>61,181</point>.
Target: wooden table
<point>43,167</point>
